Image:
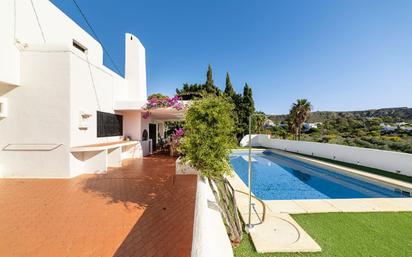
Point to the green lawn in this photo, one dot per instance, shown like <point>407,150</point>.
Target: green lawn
<point>350,235</point>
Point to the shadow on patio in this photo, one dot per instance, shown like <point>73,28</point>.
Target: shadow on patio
<point>166,202</point>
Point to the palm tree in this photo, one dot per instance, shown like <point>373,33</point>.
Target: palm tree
<point>298,114</point>
<point>292,125</point>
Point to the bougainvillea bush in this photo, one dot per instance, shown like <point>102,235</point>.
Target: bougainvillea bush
<point>162,102</point>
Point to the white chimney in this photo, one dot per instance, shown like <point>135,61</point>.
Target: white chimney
<point>135,69</point>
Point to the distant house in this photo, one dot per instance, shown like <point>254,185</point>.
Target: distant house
<point>269,124</point>
<point>400,124</point>
<point>307,126</point>
<point>387,127</point>
<point>406,128</point>
<point>281,125</point>
<point>397,126</point>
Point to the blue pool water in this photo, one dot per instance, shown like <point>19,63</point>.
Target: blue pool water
<point>275,177</point>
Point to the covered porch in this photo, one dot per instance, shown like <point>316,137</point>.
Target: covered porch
<point>160,132</point>
<point>150,126</point>
<point>140,133</point>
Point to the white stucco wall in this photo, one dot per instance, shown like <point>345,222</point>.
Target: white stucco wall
<point>57,28</point>
<point>396,162</point>
<point>90,92</point>
<point>132,124</point>
<point>38,114</point>
<point>245,141</point>
<point>209,233</point>
<point>10,55</point>
<point>48,84</point>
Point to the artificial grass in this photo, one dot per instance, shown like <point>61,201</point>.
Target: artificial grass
<point>350,234</point>
<point>363,168</point>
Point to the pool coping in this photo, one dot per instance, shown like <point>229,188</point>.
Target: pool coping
<point>373,178</point>
<point>279,232</point>
<point>279,223</point>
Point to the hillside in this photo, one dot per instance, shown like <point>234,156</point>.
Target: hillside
<point>397,114</point>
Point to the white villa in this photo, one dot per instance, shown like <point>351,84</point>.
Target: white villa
<point>308,125</point>
<point>399,125</point>
<point>62,112</point>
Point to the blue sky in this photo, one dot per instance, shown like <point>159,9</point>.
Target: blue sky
<point>341,55</point>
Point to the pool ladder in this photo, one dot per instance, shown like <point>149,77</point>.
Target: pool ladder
<point>261,219</point>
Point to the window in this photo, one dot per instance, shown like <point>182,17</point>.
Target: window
<point>109,124</point>
<point>79,46</point>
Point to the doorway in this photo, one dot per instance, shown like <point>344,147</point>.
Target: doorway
<point>152,135</point>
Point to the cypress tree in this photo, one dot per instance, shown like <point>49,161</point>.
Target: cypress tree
<point>246,108</point>
<point>248,99</point>
<point>236,99</point>
<point>229,91</point>
<point>210,84</point>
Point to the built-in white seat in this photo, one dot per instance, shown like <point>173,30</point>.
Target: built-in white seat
<point>102,147</point>
<point>97,158</point>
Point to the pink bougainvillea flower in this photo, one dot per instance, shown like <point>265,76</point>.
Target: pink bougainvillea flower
<point>146,115</point>
<point>179,132</point>
<point>166,102</point>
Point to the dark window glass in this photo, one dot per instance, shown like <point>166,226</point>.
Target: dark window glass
<point>79,46</point>
<point>109,124</point>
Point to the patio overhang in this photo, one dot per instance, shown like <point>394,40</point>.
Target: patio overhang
<point>159,114</point>
<point>167,114</point>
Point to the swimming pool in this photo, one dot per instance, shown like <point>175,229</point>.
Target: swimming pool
<point>276,177</point>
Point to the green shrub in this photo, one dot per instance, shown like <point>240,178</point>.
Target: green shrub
<point>209,136</point>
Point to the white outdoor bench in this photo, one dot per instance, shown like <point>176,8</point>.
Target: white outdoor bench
<point>98,158</point>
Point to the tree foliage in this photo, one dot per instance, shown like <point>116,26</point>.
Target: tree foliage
<point>229,91</point>
<point>298,114</point>
<point>258,120</point>
<point>245,108</point>
<point>248,99</point>
<point>388,115</point>
<point>244,103</point>
<point>199,91</point>
<point>346,129</point>
<point>209,136</point>
<point>191,91</point>
<point>157,95</point>
<point>209,128</point>
<point>210,86</point>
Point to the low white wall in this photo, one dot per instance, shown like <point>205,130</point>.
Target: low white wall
<point>396,162</point>
<point>99,161</point>
<point>184,169</point>
<point>209,232</point>
<point>132,151</point>
<point>254,138</point>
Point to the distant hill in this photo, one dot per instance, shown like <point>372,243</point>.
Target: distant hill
<point>397,114</point>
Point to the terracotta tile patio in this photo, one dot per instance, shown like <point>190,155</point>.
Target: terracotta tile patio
<point>138,210</point>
